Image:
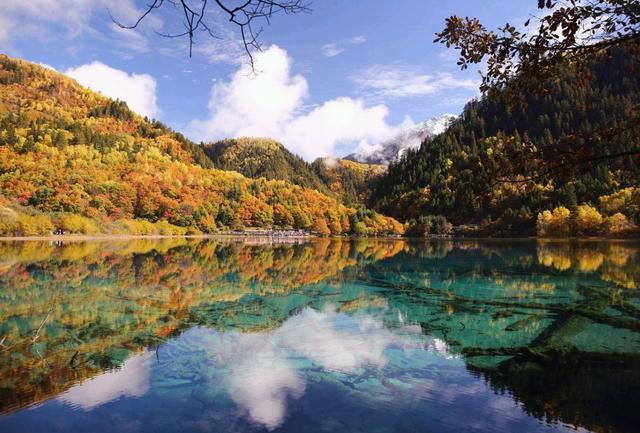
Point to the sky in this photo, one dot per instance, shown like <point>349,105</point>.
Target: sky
<point>347,74</point>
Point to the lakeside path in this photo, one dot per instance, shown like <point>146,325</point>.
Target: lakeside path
<point>125,237</point>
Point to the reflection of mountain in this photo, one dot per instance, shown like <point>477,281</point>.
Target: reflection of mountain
<point>105,300</point>
<point>598,394</point>
<point>560,331</point>
<point>524,315</point>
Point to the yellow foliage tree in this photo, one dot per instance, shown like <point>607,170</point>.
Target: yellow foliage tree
<point>617,225</point>
<point>554,224</point>
<point>588,221</point>
<point>39,225</point>
<point>78,224</point>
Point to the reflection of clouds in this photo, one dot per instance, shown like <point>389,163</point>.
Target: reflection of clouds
<point>261,371</point>
<point>262,387</point>
<point>131,380</point>
<point>334,344</point>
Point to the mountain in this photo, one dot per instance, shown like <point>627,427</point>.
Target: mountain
<point>75,160</point>
<point>349,181</point>
<point>263,157</point>
<point>453,174</point>
<point>352,181</point>
<point>391,150</point>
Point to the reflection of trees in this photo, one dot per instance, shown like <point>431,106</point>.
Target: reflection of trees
<point>616,262</point>
<point>520,321</point>
<point>553,333</point>
<point>96,302</point>
<point>598,394</point>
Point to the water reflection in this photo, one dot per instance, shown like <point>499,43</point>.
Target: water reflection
<point>254,334</point>
<point>130,380</point>
<point>262,369</point>
<point>108,300</point>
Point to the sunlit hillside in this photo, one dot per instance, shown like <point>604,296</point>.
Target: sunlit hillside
<point>74,160</point>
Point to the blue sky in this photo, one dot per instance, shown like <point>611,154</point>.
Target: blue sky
<point>347,74</point>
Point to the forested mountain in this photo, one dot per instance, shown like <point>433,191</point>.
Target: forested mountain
<point>257,157</point>
<point>454,174</point>
<point>72,159</point>
<point>352,181</point>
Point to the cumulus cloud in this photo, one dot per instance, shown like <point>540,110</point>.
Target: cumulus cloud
<point>399,81</point>
<point>137,90</point>
<point>271,104</point>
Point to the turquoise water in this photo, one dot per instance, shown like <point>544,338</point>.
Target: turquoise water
<point>184,335</point>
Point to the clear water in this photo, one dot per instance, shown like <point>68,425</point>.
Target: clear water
<point>184,335</point>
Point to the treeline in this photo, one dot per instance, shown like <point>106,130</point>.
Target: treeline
<point>257,157</point>
<point>65,150</point>
<point>454,174</point>
<point>586,220</point>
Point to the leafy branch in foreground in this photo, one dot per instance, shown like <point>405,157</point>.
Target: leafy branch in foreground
<point>574,30</point>
<point>520,62</point>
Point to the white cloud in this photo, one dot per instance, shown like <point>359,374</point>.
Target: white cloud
<point>225,48</point>
<point>397,81</point>
<point>340,120</point>
<point>271,104</point>
<point>357,40</point>
<point>331,50</point>
<point>37,18</point>
<point>130,39</point>
<point>335,48</point>
<point>137,90</point>
<point>48,66</point>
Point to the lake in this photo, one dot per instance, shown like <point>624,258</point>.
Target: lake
<point>180,335</point>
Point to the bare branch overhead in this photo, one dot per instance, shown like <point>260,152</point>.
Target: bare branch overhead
<point>247,15</point>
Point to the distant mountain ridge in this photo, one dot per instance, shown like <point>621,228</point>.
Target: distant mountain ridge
<point>392,149</point>
<point>352,181</point>
<point>256,157</point>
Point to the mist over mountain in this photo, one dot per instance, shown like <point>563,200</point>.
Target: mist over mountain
<point>390,150</point>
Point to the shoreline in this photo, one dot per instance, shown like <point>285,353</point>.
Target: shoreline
<point>285,238</point>
<point>128,237</point>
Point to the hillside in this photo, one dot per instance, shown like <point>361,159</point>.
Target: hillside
<point>72,159</point>
<point>453,174</point>
<point>352,181</point>
<point>262,157</point>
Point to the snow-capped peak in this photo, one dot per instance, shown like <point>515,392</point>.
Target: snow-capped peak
<point>410,138</point>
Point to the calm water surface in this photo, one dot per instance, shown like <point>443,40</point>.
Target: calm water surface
<point>350,336</point>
